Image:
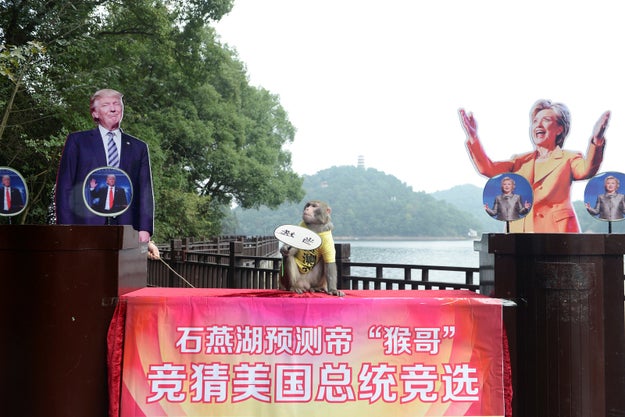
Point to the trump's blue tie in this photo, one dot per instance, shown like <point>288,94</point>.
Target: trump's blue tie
<point>113,155</point>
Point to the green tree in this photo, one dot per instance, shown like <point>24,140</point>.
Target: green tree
<point>31,132</point>
<point>214,139</point>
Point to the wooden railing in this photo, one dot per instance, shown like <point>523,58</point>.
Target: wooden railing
<point>255,263</point>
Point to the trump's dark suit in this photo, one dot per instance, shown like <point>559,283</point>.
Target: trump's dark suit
<point>84,152</point>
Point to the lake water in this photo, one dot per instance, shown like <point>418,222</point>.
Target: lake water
<point>438,253</point>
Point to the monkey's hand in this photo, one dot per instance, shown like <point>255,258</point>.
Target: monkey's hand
<point>287,250</point>
<point>332,280</point>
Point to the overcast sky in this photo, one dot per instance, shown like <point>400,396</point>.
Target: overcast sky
<point>385,79</point>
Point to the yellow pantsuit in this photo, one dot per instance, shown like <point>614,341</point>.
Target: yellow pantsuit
<point>551,179</point>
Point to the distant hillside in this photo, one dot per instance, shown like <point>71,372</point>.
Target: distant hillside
<point>469,198</point>
<point>367,203</point>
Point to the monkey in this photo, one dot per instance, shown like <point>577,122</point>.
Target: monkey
<point>312,270</point>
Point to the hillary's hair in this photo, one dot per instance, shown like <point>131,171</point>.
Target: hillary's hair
<point>562,113</point>
<point>612,177</point>
<point>508,179</point>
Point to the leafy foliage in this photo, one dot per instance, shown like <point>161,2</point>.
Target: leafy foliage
<point>214,139</point>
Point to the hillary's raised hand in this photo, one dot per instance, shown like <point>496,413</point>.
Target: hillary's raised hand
<point>468,124</point>
<point>599,129</point>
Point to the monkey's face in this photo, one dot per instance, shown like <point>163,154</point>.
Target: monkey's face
<point>316,212</point>
<point>309,211</point>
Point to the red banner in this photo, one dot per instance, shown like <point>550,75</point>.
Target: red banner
<point>191,352</point>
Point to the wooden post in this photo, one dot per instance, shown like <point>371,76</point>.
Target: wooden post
<point>60,287</point>
<point>236,248</point>
<point>567,332</point>
<point>177,259</point>
<point>343,253</point>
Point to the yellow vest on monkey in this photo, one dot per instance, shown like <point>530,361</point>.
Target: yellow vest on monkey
<point>307,259</point>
